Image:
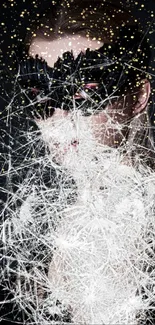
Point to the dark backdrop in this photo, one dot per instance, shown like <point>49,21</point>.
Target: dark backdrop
<point>15,19</point>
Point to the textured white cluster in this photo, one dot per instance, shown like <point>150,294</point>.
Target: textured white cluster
<point>97,248</point>
<point>102,240</point>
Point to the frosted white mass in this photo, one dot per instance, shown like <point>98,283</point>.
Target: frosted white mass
<point>97,266</point>
<point>97,246</point>
<point>100,241</point>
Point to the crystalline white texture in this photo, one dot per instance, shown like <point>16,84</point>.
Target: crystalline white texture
<point>97,247</point>
<point>97,266</point>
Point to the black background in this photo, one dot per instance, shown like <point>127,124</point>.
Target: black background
<point>16,17</point>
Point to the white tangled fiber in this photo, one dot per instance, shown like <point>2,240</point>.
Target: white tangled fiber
<point>98,266</point>
<point>98,248</point>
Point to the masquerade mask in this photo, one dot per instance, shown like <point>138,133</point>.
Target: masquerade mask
<point>89,83</point>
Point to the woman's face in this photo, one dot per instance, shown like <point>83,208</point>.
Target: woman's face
<point>67,130</point>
